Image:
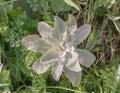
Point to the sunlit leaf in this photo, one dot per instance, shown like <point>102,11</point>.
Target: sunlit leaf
<point>118,73</point>
<point>115,18</point>
<point>71,3</point>
<point>1,85</point>
<point>1,65</point>
<point>115,21</point>
<point>110,3</point>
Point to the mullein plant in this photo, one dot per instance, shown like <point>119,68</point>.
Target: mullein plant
<point>58,46</point>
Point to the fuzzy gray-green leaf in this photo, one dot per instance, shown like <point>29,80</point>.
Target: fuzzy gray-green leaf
<point>85,57</point>
<point>49,56</point>
<point>71,24</point>
<point>35,43</point>
<point>59,31</point>
<point>44,30</point>
<point>40,68</point>
<point>80,34</point>
<point>57,70</point>
<point>74,77</point>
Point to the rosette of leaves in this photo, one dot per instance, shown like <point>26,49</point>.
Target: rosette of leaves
<point>58,46</point>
